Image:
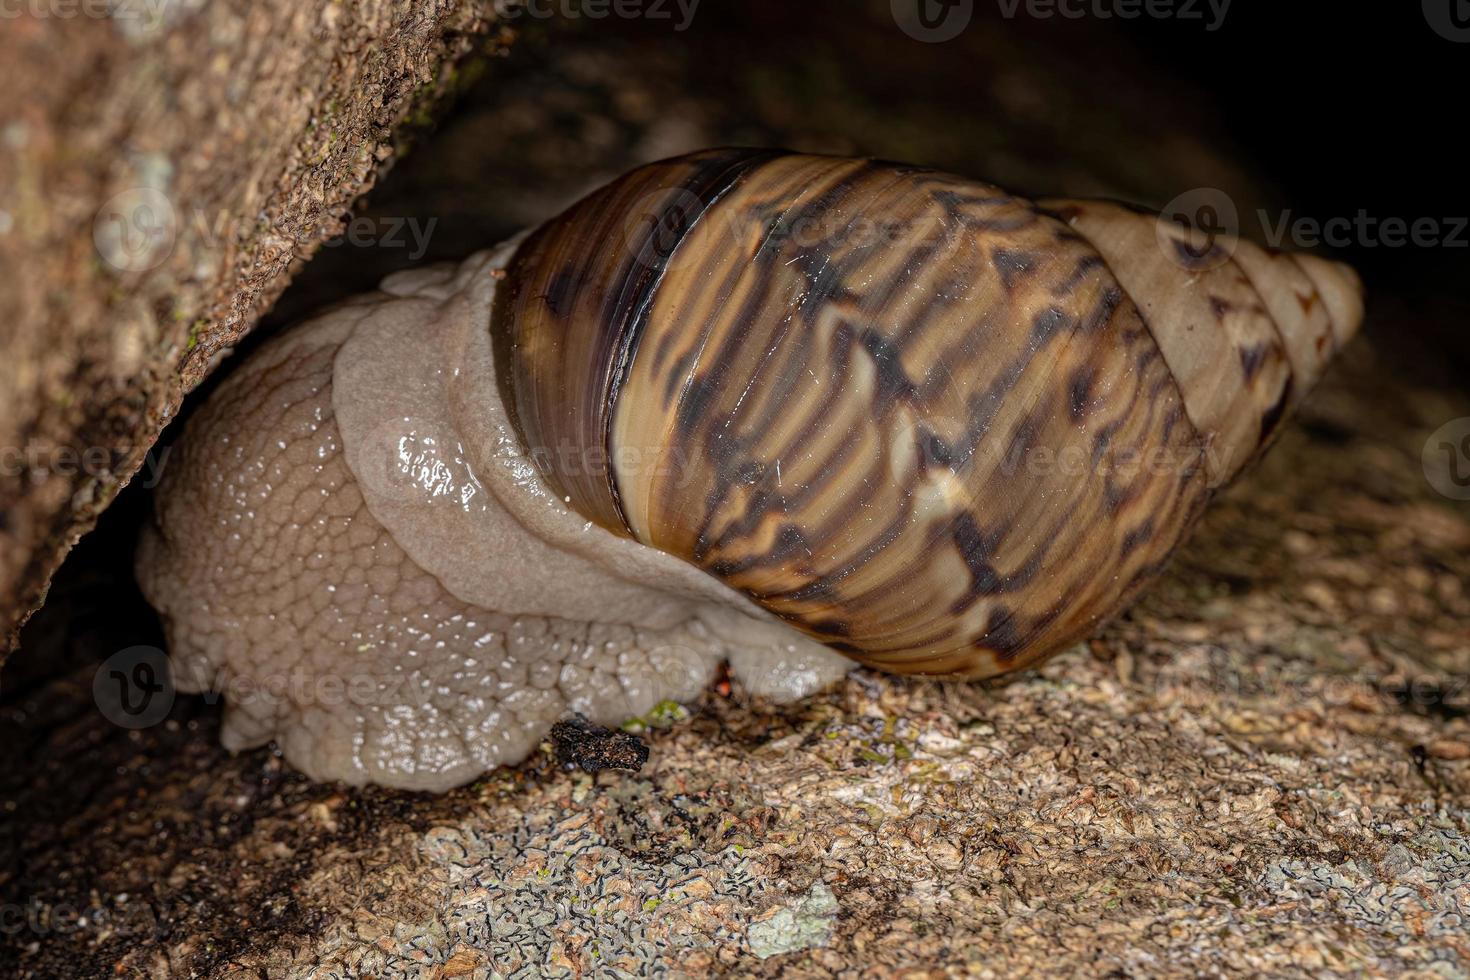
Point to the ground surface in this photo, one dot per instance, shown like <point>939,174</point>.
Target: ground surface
<point>1263,767</point>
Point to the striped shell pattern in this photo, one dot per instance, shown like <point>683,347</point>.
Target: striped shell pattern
<point>936,426</point>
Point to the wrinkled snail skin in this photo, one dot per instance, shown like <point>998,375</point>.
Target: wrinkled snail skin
<point>741,404</point>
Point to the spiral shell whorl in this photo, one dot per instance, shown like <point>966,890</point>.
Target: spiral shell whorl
<point>1244,332</point>
<point>937,426</point>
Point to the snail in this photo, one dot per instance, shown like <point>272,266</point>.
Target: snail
<point>781,410</point>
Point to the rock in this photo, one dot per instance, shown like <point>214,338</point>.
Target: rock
<point>165,168</point>
<point>803,925</point>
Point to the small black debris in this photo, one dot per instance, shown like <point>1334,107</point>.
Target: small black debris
<point>578,742</point>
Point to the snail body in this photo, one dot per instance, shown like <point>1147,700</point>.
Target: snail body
<point>742,404</point>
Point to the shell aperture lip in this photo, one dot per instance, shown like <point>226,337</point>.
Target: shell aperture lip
<point>579,293</point>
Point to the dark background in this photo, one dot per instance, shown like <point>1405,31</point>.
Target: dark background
<point>1348,106</point>
<point>1318,109</point>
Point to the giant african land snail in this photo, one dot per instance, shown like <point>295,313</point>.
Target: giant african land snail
<point>740,404</point>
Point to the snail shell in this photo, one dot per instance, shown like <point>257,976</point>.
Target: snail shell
<point>865,402</point>
<point>740,404</point>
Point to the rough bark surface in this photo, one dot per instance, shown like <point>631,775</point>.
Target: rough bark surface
<point>165,165</point>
